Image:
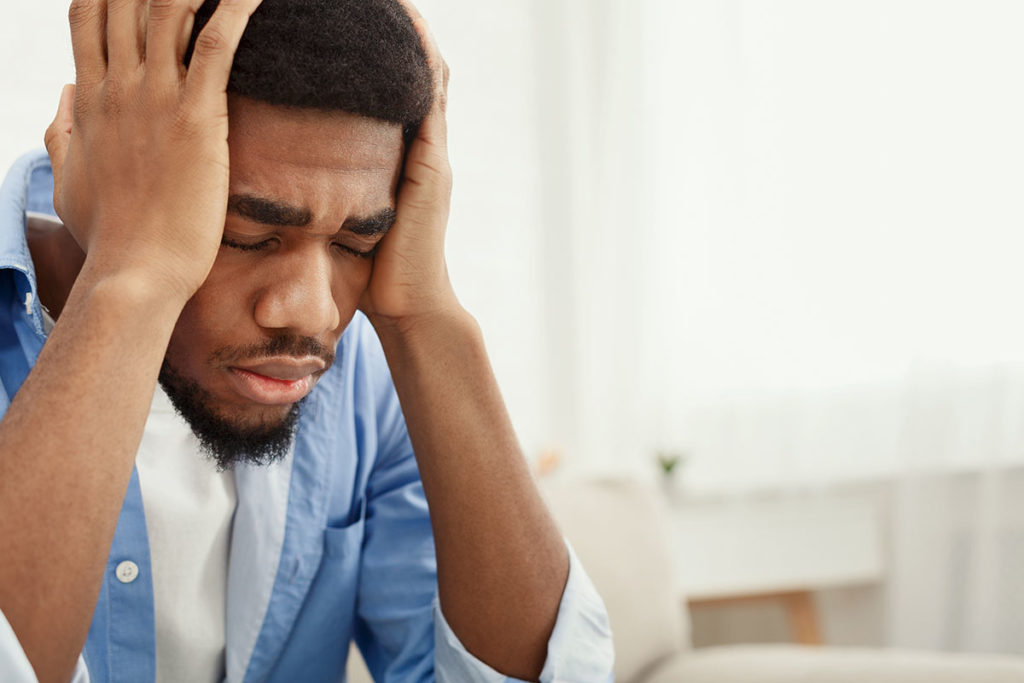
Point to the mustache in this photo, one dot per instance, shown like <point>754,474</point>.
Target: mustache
<point>287,345</point>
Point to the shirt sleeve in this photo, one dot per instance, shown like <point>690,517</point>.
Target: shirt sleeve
<point>579,649</point>
<point>399,626</point>
<point>398,566</point>
<point>14,665</point>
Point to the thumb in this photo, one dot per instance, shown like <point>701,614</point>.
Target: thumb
<point>58,135</point>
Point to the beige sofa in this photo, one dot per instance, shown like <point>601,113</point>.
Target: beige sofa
<point>619,530</point>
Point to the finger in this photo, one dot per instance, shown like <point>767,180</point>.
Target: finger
<point>124,38</point>
<point>215,47</point>
<point>434,59</point>
<point>167,32</point>
<point>434,129</point>
<point>427,177</point>
<point>58,135</point>
<point>88,19</point>
<point>427,180</point>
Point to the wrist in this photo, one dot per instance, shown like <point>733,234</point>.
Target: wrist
<point>439,325</point>
<point>130,291</point>
<point>420,315</point>
<point>135,282</point>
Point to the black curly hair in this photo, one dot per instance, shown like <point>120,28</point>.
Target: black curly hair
<point>358,56</point>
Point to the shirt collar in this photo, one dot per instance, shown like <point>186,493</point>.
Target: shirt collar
<point>28,187</point>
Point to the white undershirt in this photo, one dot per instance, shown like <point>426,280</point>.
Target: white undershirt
<point>189,508</point>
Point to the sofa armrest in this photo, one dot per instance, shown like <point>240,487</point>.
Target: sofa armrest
<point>797,664</point>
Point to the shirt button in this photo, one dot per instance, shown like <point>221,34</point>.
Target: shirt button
<point>127,571</point>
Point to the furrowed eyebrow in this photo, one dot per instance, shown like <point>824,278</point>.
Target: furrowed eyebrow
<point>272,212</point>
<point>377,224</point>
<point>268,211</point>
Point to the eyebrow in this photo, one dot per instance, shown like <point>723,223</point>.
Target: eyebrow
<point>273,212</point>
<point>371,226</point>
<point>268,211</point>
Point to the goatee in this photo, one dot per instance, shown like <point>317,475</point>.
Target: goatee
<point>225,442</point>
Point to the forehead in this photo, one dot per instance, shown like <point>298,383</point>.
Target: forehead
<point>325,161</point>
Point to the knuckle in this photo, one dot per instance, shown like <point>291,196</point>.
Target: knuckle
<point>162,9</point>
<point>437,175</point>
<point>211,40</point>
<point>442,168</point>
<point>82,11</point>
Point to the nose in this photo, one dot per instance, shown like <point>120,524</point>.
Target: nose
<point>298,295</point>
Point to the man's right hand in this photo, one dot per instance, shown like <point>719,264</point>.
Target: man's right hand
<point>139,145</point>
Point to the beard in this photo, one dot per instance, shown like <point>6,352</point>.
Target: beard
<point>224,441</point>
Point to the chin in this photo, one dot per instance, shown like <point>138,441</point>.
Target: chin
<point>256,434</point>
<point>253,416</point>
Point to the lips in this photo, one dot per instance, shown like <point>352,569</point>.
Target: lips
<point>276,381</point>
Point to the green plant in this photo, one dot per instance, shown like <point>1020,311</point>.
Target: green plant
<point>670,460</point>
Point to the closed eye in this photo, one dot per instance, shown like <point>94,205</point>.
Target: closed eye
<point>368,253</point>
<point>242,246</point>
<point>263,244</point>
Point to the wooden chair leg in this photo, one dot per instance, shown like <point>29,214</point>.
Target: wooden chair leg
<point>803,618</point>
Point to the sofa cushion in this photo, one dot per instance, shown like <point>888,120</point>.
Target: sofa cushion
<point>797,664</point>
<point>619,530</point>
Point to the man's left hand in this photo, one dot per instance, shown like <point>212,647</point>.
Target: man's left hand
<point>410,277</point>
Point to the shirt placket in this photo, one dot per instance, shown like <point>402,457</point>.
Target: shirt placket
<point>121,647</point>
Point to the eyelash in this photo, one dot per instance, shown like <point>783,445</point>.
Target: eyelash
<point>259,246</point>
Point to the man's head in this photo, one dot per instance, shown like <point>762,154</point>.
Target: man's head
<point>322,96</point>
<point>363,57</point>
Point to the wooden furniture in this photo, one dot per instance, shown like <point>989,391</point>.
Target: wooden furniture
<point>799,605</point>
<point>777,548</point>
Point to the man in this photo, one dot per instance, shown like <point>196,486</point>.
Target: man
<point>307,523</point>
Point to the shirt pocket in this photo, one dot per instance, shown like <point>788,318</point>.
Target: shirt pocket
<point>314,651</point>
<point>345,542</point>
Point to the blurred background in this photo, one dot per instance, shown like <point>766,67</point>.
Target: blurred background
<point>764,255</point>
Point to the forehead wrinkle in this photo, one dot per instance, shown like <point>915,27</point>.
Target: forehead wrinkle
<point>331,194</point>
<point>303,180</point>
<point>355,154</point>
<point>331,164</point>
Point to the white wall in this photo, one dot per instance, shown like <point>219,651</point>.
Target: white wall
<point>835,193</point>
<point>35,62</point>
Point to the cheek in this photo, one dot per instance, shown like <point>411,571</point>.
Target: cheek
<point>351,279</point>
<point>349,284</point>
<point>210,320</point>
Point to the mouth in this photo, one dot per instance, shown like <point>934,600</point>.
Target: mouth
<point>276,381</point>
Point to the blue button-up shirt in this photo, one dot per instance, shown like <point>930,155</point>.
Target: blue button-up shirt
<point>330,545</point>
